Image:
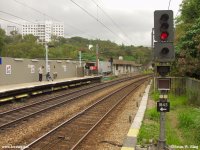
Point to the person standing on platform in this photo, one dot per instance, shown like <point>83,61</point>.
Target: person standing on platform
<point>40,71</point>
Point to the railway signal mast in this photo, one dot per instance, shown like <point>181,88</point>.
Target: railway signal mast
<point>163,55</point>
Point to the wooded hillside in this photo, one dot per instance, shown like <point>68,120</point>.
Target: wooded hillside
<point>60,48</point>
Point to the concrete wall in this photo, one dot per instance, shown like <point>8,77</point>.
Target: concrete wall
<point>14,71</point>
<point>104,67</point>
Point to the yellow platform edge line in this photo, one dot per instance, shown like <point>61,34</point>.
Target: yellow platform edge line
<point>21,96</point>
<point>127,148</point>
<point>133,132</point>
<point>6,99</point>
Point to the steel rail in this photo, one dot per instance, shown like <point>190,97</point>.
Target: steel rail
<point>51,106</point>
<point>76,145</point>
<point>82,112</point>
<point>49,99</point>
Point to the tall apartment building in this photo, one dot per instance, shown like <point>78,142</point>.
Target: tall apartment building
<point>9,29</point>
<point>44,30</point>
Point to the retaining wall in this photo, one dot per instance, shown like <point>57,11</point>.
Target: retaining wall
<point>14,70</point>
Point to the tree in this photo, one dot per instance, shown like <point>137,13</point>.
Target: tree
<point>188,39</point>
<point>29,38</point>
<point>13,32</point>
<point>2,39</point>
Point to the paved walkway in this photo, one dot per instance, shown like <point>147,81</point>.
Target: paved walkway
<point>12,87</point>
<point>131,138</point>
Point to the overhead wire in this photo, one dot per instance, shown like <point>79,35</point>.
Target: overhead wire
<point>25,5</point>
<point>95,18</point>
<point>112,20</point>
<point>16,16</point>
<point>44,14</point>
<point>11,21</point>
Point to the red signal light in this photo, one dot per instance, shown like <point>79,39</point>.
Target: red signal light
<point>164,36</point>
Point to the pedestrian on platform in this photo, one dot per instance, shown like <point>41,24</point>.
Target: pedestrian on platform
<point>48,76</point>
<point>40,71</point>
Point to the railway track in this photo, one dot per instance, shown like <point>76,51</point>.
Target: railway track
<point>69,134</point>
<point>11,117</point>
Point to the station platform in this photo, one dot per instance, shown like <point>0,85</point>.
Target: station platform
<point>131,139</point>
<point>16,91</point>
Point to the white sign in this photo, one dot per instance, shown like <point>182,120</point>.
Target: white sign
<point>65,68</point>
<point>32,69</point>
<point>48,68</point>
<point>8,69</point>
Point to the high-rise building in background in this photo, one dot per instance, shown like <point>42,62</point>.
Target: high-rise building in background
<point>44,30</point>
<point>10,29</point>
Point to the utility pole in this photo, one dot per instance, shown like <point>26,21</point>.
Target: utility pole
<point>80,63</point>
<point>47,65</point>
<point>97,58</point>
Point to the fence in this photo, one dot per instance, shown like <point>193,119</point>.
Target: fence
<point>186,86</point>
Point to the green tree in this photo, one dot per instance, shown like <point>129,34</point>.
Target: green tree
<point>188,39</point>
<point>29,38</point>
<point>2,39</point>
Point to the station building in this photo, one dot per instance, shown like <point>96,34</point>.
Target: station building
<point>117,67</point>
<point>121,67</point>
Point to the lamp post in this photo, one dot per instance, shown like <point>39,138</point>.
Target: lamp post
<point>80,62</point>
<point>47,65</point>
<point>97,58</point>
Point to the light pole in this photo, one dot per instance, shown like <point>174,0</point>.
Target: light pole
<point>47,65</point>
<point>97,58</point>
<point>80,63</point>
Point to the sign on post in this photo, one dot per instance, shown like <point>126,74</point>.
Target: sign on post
<point>164,84</point>
<point>163,106</point>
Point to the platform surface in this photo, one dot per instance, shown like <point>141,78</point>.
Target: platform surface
<point>12,87</point>
<point>131,139</point>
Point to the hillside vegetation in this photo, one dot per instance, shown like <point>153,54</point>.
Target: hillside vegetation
<point>188,39</point>
<point>60,48</point>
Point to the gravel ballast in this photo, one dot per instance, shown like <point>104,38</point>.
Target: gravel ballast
<point>29,130</point>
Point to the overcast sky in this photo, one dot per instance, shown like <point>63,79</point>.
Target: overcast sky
<point>121,21</point>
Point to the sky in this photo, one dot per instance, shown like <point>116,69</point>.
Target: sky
<point>128,22</point>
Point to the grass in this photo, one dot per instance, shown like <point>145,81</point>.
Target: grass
<point>152,114</point>
<point>182,123</point>
<point>155,95</point>
<point>107,78</point>
<point>149,130</point>
<point>189,124</point>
